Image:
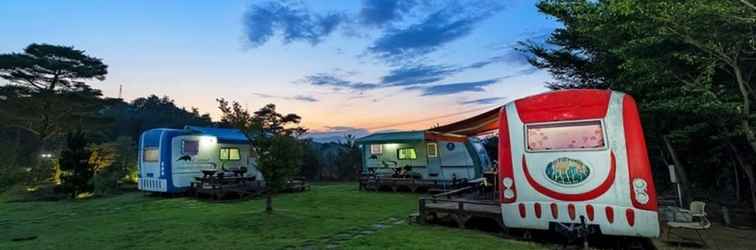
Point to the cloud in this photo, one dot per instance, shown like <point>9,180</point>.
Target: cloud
<point>379,12</point>
<point>511,56</point>
<point>454,88</point>
<point>483,101</point>
<point>302,98</point>
<point>448,24</point>
<point>336,133</point>
<point>417,74</point>
<point>332,80</point>
<point>293,21</point>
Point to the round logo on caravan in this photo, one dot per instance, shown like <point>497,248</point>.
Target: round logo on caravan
<point>567,171</point>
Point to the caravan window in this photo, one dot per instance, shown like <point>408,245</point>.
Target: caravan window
<point>432,149</point>
<point>230,154</point>
<point>407,154</point>
<point>150,154</point>
<point>376,149</point>
<point>565,136</point>
<point>189,147</point>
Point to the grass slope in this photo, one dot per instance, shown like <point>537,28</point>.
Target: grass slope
<point>329,216</point>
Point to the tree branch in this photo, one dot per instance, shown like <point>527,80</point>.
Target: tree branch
<point>749,4</point>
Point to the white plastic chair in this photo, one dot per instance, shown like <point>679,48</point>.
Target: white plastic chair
<point>697,212</point>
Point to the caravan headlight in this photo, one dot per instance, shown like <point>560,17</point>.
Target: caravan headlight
<point>642,198</point>
<point>508,193</point>
<point>639,184</point>
<point>507,182</point>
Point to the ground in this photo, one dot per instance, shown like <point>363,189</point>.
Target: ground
<point>329,216</point>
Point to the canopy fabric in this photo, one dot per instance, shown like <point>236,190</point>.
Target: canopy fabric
<point>393,137</point>
<point>472,126</point>
<point>224,135</point>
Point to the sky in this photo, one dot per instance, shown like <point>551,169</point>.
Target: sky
<point>346,67</point>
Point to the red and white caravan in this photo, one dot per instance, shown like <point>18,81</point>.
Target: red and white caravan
<point>572,156</point>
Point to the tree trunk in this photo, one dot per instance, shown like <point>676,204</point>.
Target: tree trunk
<point>269,203</point>
<point>682,176</point>
<point>737,183</point>
<point>742,86</point>
<point>748,170</point>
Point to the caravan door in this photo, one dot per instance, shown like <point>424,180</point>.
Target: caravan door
<point>434,161</point>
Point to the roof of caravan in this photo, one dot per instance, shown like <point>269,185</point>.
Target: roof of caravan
<point>548,106</point>
<point>224,135</point>
<point>393,137</point>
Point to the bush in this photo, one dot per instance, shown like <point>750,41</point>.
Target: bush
<point>105,183</point>
<point>75,166</point>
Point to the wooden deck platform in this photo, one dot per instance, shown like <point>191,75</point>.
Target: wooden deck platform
<point>459,210</point>
<point>377,183</point>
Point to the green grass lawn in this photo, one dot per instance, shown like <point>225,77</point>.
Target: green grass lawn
<point>328,216</point>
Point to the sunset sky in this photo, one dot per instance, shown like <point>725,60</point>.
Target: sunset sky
<point>344,66</point>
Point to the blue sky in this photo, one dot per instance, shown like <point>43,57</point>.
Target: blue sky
<point>344,66</point>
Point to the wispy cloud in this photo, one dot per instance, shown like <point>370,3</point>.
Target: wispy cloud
<point>454,21</point>
<point>483,101</point>
<point>336,133</point>
<point>454,88</point>
<point>460,87</point>
<point>511,57</point>
<point>302,98</point>
<point>333,80</point>
<point>379,12</point>
<point>417,74</point>
<point>292,20</point>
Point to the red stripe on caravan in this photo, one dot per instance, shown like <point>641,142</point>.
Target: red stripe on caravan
<point>537,209</point>
<point>589,211</point>
<point>506,168</point>
<point>637,155</point>
<point>521,207</point>
<point>554,210</point>
<point>571,211</point>
<point>630,216</point>
<point>599,190</point>
<point>609,214</point>
<point>571,104</point>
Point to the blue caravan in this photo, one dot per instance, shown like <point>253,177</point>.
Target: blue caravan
<point>170,159</point>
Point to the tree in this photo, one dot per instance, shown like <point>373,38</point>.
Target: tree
<point>273,136</point>
<point>75,165</point>
<point>349,159</point>
<point>688,63</point>
<point>48,88</point>
<point>48,68</point>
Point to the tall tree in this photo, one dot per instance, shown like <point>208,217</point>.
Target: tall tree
<point>689,63</point>
<point>49,81</point>
<point>274,138</point>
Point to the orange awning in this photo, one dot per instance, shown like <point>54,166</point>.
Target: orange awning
<point>472,126</point>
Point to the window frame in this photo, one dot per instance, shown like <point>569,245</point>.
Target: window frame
<point>434,151</point>
<point>144,154</point>
<point>398,155</point>
<point>220,153</point>
<point>378,146</point>
<point>529,150</point>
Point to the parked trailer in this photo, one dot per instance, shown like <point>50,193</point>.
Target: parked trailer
<point>571,159</point>
<point>170,160</point>
<point>420,160</point>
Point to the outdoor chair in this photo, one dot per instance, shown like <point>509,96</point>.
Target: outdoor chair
<point>698,223</point>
